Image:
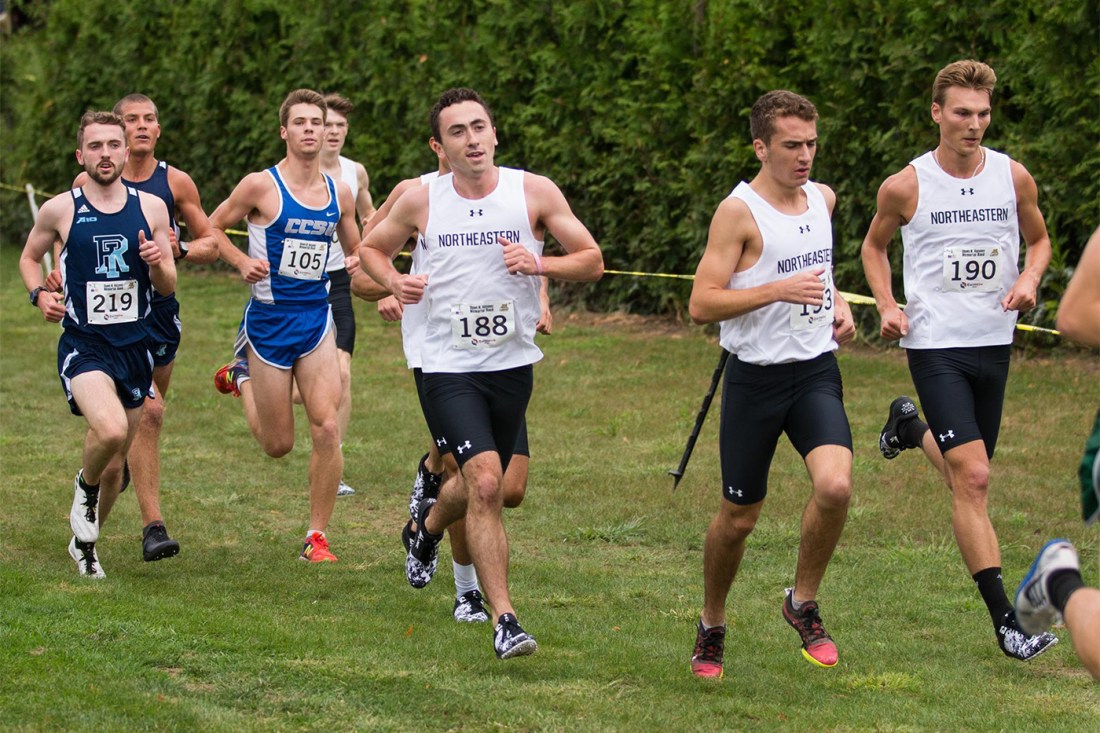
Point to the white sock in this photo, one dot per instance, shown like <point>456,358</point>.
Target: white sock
<point>310,533</point>
<point>465,579</point>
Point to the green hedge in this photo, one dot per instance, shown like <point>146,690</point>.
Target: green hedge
<point>637,108</point>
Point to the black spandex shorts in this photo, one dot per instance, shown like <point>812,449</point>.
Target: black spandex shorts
<point>523,447</point>
<point>962,392</point>
<point>477,412</point>
<point>343,315</point>
<point>804,399</point>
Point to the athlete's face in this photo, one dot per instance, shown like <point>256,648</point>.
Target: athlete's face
<point>469,138</point>
<point>789,155</point>
<point>142,126</point>
<point>103,153</point>
<point>963,119</point>
<point>304,129</point>
<point>336,131</point>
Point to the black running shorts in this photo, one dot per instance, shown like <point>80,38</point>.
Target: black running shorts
<point>478,411</point>
<point>962,392</point>
<point>804,399</point>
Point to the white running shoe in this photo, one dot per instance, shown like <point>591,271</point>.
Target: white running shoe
<point>344,490</point>
<point>87,562</point>
<point>83,517</point>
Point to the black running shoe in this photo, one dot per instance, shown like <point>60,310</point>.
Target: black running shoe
<point>407,534</point>
<point>125,476</point>
<point>426,486</point>
<point>423,556</point>
<point>902,410</point>
<point>470,608</point>
<point>156,544</point>
<point>510,640</point>
<point>1016,643</point>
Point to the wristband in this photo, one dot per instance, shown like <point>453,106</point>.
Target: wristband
<point>538,264</point>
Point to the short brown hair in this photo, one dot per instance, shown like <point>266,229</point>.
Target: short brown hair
<point>98,117</point>
<point>451,97</point>
<point>778,103</point>
<point>339,104</point>
<point>135,99</point>
<point>300,96</point>
<point>969,74</point>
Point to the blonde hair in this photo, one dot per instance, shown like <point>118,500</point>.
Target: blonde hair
<point>968,74</point>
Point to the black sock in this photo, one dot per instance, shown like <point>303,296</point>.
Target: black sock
<point>1061,585</point>
<point>912,432</point>
<point>87,486</point>
<point>992,588</point>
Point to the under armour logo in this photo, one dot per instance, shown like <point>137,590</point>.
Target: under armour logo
<point>464,447</point>
<point>966,191</point>
<point>950,434</point>
<point>441,442</point>
<point>738,492</point>
<point>477,212</point>
<point>803,230</point>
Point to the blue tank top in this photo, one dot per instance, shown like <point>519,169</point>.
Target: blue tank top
<point>157,184</point>
<point>107,285</point>
<point>296,245</point>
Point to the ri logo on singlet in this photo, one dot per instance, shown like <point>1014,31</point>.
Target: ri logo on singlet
<point>109,251</point>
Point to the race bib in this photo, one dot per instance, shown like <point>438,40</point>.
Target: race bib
<point>805,317</point>
<point>482,325</point>
<point>112,302</point>
<point>971,269</point>
<point>303,260</point>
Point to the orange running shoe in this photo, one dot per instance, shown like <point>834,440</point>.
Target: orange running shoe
<point>817,646</point>
<point>706,660</point>
<point>316,549</point>
<point>229,376</point>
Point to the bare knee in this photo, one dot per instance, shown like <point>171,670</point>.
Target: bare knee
<point>277,446</point>
<point>833,492</point>
<point>152,416</point>
<point>325,433</point>
<point>486,490</point>
<point>735,522</point>
<point>970,482</point>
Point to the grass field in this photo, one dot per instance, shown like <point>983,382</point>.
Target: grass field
<point>235,634</point>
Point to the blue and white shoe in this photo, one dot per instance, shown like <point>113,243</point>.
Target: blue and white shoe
<point>1034,610</point>
<point>83,517</point>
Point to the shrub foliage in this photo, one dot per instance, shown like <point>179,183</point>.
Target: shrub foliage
<point>637,108</point>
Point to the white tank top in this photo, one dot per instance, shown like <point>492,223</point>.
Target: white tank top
<point>961,252</point>
<point>784,332</point>
<point>480,317</point>
<point>414,317</point>
<point>347,175</point>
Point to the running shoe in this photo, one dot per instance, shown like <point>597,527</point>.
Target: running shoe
<point>83,518</point>
<point>156,544</point>
<point>344,490</point>
<point>510,640</point>
<point>227,380</point>
<point>426,484</point>
<point>902,410</point>
<point>1034,610</point>
<point>1016,643</point>
<point>423,555</point>
<point>817,646</point>
<point>316,549</point>
<point>125,475</point>
<point>710,644</point>
<point>87,562</point>
<point>470,608</point>
<point>407,534</point>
